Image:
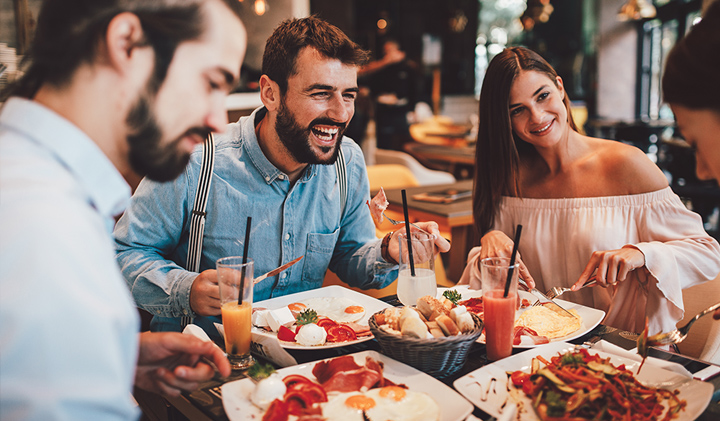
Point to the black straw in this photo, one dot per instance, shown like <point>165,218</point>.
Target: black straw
<point>245,258</point>
<point>407,232</point>
<point>518,230</point>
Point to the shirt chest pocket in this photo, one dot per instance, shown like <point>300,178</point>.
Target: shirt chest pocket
<point>318,253</point>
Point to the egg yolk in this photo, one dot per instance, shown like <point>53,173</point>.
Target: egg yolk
<point>393,392</point>
<point>354,309</point>
<point>360,402</point>
<point>297,307</point>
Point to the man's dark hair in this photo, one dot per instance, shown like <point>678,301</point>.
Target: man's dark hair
<point>69,33</point>
<point>292,35</point>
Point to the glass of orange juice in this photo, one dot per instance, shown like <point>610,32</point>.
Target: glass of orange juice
<point>500,308</point>
<point>235,280</point>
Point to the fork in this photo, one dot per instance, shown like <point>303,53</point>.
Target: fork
<point>558,291</point>
<point>678,335</point>
<point>394,222</point>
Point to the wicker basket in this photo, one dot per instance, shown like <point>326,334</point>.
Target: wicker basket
<point>438,357</point>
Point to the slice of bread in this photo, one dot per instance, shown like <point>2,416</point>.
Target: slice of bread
<point>446,324</point>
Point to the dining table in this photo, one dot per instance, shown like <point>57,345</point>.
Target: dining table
<point>205,403</point>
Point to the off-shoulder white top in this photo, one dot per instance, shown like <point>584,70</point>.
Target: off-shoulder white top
<point>559,236</point>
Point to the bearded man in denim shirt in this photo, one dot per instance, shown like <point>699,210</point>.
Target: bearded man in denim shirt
<point>276,166</point>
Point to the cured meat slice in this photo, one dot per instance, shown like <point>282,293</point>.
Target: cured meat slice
<point>324,370</point>
<point>377,206</point>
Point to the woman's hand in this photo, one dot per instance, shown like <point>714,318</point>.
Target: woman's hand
<point>497,244</point>
<point>611,266</point>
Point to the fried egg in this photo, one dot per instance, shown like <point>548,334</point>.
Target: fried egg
<point>340,309</point>
<point>383,404</point>
<point>550,323</point>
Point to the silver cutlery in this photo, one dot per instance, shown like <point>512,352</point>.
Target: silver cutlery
<point>276,271</point>
<point>542,298</point>
<point>678,335</point>
<point>394,222</point>
<point>555,292</point>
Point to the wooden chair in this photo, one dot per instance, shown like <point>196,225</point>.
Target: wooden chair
<point>703,340</point>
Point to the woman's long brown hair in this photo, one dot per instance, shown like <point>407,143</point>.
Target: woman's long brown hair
<point>498,150</point>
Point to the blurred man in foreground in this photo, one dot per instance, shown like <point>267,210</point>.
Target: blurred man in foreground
<point>112,88</point>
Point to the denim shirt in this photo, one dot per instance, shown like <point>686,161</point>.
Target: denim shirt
<point>288,221</point>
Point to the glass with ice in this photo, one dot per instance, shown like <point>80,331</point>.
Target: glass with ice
<point>411,286</point>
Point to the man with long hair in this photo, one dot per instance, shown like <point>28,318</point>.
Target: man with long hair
<point>111,89</point>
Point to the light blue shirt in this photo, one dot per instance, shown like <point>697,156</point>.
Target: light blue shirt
<point>68,326</point>
<point>288,221</point>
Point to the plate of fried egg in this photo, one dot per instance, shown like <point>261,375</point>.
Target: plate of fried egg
<point>412,395</point>
<point>556,326</point>
<point>348,309</point>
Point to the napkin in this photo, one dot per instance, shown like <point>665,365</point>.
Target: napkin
<point>196,331</point>
<point>267,347</point>
<point>632,354</point>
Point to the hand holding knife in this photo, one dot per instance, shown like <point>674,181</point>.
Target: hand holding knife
<point>542,297</point>
<point>276,271</point>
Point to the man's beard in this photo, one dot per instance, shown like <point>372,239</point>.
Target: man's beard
<point>297,139</point>
<point>148,156</point>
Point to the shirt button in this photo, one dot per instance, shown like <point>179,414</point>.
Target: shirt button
<point>287,236</point>
<point>284,275</point>
<point>282,177</point>
<point>267,178</point>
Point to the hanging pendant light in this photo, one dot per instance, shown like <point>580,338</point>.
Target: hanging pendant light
<point>636,10</point>
<point>260,7</point>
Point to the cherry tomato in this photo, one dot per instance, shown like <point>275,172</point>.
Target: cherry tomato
<point>341,333</point>
<point>518,378</point>
<point>297,401</point>
<point>285,334</point>
<point>326,323</point>
<point>292,379</point>
<point>278,411</point>
<point>314,390</point>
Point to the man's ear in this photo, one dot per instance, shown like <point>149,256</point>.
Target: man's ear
<point>269,93</point>
<point>123,40</point>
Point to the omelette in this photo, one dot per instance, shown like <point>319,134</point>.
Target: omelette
<point>550,323</point>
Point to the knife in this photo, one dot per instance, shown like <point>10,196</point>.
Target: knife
<point>543,298</point>
<point>276,271</point>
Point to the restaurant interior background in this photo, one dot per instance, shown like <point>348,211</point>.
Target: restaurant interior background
<point>610,54</point>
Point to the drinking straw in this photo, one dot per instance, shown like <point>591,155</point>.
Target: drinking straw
<point>518,230</point>
<point>245,257</point>
<point>409,236</point>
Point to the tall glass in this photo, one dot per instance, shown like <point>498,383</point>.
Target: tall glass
<point>499,315</point>
<point>235,279</point>
<point>409,287</point>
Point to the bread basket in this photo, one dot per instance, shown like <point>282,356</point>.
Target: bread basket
<point>438,357</point>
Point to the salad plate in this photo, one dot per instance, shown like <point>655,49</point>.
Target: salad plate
<point>490,389</point>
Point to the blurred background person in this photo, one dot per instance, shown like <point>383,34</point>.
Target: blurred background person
<point>692,88</point>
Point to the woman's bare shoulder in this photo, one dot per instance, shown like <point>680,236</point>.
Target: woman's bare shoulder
<point>630,167</point>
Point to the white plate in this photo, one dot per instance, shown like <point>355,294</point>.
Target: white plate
<point>591,317</point>
<point>372,306</point>
<point>453,407</point>
<point>475,385</point>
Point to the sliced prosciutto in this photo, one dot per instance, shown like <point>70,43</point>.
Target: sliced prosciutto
<point>519,331</point>
<point>377,206</point>
<point>342,374</point>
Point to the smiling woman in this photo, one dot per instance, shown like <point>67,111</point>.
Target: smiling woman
<point>589,206</point>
